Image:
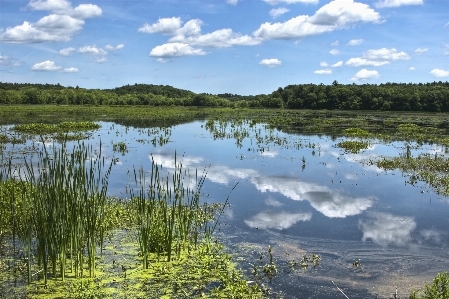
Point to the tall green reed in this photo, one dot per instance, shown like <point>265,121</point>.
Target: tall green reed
<point>169,214</point>
<point>68,195</point>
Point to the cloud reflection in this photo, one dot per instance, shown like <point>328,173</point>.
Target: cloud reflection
<point>280,220</point>
<point>327,201</point>
<point>385,229</point>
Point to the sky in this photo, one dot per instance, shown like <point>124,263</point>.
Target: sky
<point>244,47</point>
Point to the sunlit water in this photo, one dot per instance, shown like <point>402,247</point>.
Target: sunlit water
<point>301,195</point>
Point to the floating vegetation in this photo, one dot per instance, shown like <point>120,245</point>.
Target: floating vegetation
<point>353,146</point>
<point>431,169</point>
<point>357,132</point>
<point>63,127</point>
<point>120,147</point>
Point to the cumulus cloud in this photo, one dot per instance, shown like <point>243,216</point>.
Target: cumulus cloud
<point>92,50</point>
<point>232,2</point>
<point>281,220</point>
<point>335,15</point>
<point>112,48</point>
<point>163,25</point>
<point>323,72</point>
<point>377,57</point>
<point>175,50</point>
<point>397,3</point>
<point>385,229</point>
<point>324,64</point>
<point>60,25</point>
<point>355,42</point>
<point>276,2</point>
<point>273,62</point>
<point>365,75</point>
<point>335,43</point>
<point>412,68</point>
<point>276,12</point>
<point>439,73</point>
<point>67,51</point>
<point>47,65</point>
<point>334,52</point>
<point>337,64</point>
<point>187,38</point>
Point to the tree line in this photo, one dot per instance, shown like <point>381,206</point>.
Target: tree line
<point>432,96</point>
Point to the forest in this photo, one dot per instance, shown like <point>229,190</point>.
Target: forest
<point>430,97</point>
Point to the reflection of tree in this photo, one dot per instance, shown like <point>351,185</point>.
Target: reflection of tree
<point>385,229</point>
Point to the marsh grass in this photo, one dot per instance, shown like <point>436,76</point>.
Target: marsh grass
<point>169,214</point>
<point>353,146</point>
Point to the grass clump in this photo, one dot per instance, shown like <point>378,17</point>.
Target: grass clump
<point>353,146</point>
<point>120,147</point>
<point>357,132</point>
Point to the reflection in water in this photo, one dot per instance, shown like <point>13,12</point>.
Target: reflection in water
<point>331,203</point>
<point>273,202</point>
<point>385,229</point>
<point>281,220</point>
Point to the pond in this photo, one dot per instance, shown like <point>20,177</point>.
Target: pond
<point>376,233</point>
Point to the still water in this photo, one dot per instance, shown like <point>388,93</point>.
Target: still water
<point>376,234</point>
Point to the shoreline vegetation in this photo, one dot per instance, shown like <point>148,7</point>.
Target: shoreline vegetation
<point>429,97</point>
<point>104,275</point>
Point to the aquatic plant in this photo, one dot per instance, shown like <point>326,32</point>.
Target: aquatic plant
<point>353,146</point>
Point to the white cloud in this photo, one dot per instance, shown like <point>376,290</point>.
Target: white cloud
<point>60,25</point>
<point>335,43</point>
<point>71,70</point>
<point>5,60</point>
<point>281,220</point>
<point>175,50</point>
<point>419,51</point>
<point>324,64</point>
<point>334,52</point>
<point>112,48</point>
<point>66,51</point>
<point>365,75</point>
<point>323,72</point>
<point>218,39</point>
<point>273,62</point>
<point>276,12</point>
<point>385,229</point>
<point>377,57</point>
<point>412,68</point>
<point>439,73</point>
<point>397,3</point>
<point>337,64</point>
<point>276,2</point>
<point>232,2</point>
<point>356,62</point>
<point>163,25</point>
<point>335,15</point>
<point>190,34</point>
<point>355,42</point>
<point>47,65</point>
<point>85,11</point>
<point>92,50</point>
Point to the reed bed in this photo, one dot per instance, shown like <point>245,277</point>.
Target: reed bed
<point>63,195</point>
<point>169,215</point>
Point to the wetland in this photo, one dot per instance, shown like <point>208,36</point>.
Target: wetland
<point>282,203</point>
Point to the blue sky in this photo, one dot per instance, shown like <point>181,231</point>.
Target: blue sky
<point>217,46</point>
